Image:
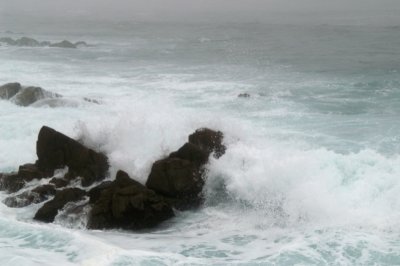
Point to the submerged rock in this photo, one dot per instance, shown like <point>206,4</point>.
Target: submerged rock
<point>55,150</point>
<point>7,91</point>
<point>37,195</point>
<point>127,204</point>
<point>49,210</point>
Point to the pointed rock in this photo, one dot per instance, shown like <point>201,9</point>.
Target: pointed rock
<point>55,150</point>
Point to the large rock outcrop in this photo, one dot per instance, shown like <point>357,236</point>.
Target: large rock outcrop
<point>127,204</point>
<point>55,150</point>
<point>174,182</point>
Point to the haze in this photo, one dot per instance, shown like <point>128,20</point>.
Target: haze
<point>339,11</point>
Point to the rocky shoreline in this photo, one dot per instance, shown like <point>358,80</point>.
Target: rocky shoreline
<point>174,182</point>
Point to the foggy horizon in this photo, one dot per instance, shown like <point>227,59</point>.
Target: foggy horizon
<point>357,11</point>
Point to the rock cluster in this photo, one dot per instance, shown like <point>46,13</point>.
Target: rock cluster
<point>29,42</point>
<point>33,96</point>
<point>24,96</point>
<point>175,182</point>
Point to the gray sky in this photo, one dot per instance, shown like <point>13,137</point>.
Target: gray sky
<point>203,10</point>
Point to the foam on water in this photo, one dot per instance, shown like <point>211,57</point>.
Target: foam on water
<point>310,175</point>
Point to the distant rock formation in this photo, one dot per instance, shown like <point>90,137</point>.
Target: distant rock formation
<point>175,182</point>
<point>7,91</point>
<point>24,96</point>
<point>63,44</point>
<point>30,42</point>
<point>35,96</point>
<point>244,95</point>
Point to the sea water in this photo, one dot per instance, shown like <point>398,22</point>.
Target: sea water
<point>311,175</point>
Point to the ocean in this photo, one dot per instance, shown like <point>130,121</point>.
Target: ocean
<point>311,175</point>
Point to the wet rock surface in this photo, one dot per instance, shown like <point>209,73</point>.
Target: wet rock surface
<point>180,176</point>
<point>127,204</point>
<point>49,210</point>
<point>55,150</point>
<point>36,195</point>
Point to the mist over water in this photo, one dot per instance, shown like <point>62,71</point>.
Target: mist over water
<point>311,172</point>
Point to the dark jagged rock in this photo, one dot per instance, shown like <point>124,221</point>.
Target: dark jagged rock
<point>37,195</point>
<point>49,210</point>
<point>244,95</point>
<point>11,182</point>
<point>59,182</point>
<point>209,140</point>
<point>29,95</point>
<point>7,91</point>
<point>55,150</point>
<point>127,204</point>
<point>191,153</point>
<point>29,171</point>
<point>177,179</point>
<point>94,193</point>
<point>63,44</point>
